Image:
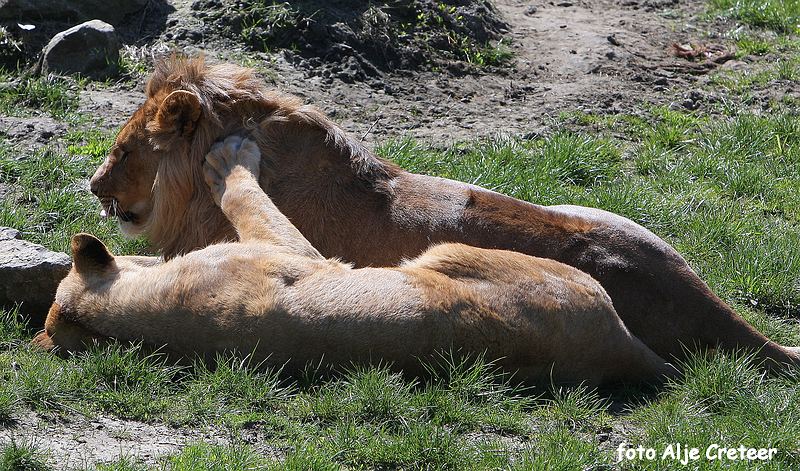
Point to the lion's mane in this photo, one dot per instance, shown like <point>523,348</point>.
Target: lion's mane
<point>233,99</point>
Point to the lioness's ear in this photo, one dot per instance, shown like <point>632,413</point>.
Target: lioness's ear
<point>89,254</point>
<point>178,114</point>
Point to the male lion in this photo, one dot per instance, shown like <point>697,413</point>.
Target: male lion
<point>352,205</point>
<point>274,295</point>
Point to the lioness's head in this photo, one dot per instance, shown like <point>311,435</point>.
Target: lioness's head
<point>152,179</point>
<point>93,267</point>
<point>73,322</point>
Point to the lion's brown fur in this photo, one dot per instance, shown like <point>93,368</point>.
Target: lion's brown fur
<point>350,204</point>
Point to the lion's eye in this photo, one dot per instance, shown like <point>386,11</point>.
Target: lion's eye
<point>123,154</point>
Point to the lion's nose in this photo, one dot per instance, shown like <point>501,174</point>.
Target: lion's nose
<point>93,186</point>
<point>97,179</point>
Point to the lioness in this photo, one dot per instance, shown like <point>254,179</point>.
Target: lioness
<point>273,294</point>
<point>352,205</point>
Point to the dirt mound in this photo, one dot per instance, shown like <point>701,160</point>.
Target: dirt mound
<point>353,39</point>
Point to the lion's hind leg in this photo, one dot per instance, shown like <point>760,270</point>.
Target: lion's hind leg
<point>231,171</point>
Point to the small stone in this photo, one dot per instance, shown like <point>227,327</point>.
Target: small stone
<point>690,104</point>
<point>738,66</point>
<point>90,49</point>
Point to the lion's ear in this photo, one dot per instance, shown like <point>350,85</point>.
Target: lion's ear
<point>89,254</point>
<point>177,115</point>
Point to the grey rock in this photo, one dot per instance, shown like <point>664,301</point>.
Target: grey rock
<point>29,274</point>
<point>33,11</point>
<point>9,233</point>
<point>90,49</point>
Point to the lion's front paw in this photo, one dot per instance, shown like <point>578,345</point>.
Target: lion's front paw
<point>235,157</point>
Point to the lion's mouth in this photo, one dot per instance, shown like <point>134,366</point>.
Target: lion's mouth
<point>111,208</point>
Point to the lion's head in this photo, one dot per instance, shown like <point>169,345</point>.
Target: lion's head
<point>152,179</point>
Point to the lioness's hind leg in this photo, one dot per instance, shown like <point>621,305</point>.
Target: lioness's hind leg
<point>231,172</point>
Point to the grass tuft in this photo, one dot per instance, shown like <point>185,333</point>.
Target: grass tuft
<point>41,382</point>
<point>576,408</point>
<point>211,457</point>
<point>725,400</point>
<point>560,448</point>
<point>22,457</point>
<point>13,328</point>
<point>124,463</point>
<point>8,404</point>
<point>127,382</point>
<point>234,386</point>
<point>54,95</point>
<point>780,15</point>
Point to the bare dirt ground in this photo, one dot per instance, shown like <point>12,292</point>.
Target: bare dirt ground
<point>598,56</point>
<point>75,441</point>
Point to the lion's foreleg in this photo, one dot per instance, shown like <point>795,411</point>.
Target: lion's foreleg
<point>231,171</point>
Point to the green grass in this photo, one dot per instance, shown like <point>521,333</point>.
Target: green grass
<point>135,62</point>
<point>16,456</point>
<point>205,457</point>
<point>125,463</point>
<point>780,15</point>
<point>773,74</point>
<point>724,400</point>
<point>753,45</point>
<point>722,190</point>
<point>28,95</point>
<point>49,199</point>
<point>127,383</point>
<point>235,390</point>
<point>8,404</point>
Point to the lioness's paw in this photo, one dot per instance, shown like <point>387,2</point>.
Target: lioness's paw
<point>235,155</point>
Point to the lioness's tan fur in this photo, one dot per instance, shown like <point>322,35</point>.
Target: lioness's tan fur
<point>352,205</point>
<point>273,294</point>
